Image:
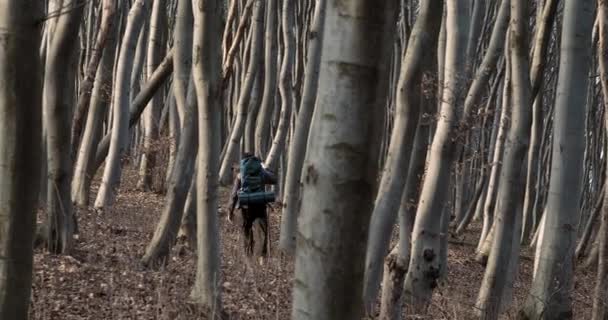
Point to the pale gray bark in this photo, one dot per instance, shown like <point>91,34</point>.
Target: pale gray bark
<point>424,269</point>
<point>297,146</point>
<point>262,129</point>
<point>59,86</point>
<point>549,297</point>
<point>20,141</point>
<point>166,231</point>
<point>413,68</point>
<point>207,80</point>
<point>257,25</point>
<point>111,176</point>
<point>494,295</point>
<point>101,98</point>
<point>285,86</point>
<point>154,55</point>
<point>342,160</point>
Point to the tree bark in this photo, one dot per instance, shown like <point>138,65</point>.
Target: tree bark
<point>549,297</point>
<point>342,160</point>
<point>59,82</point>
<point>206,72</point>
<point>20,141</point>
<point>111,176</point>
<point>297,146</point>
<point>424,268</point>
<point>416,63</point>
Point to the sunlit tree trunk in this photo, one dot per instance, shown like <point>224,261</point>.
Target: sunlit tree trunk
<point>424,269</point>
<point>20,158</point>
<point>206,73</point>
<point>549,297</point>
<point>111,176</point>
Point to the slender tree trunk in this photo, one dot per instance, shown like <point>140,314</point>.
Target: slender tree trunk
<point>207,73</point>
<point>101,98</point>
<point>155,48</point>
<point>342,160</point>
<point>297,146</point>
<point>285,86</point>
<point>232,148</point>
<point>262,129</point>
<point>549,297</point>
<point>111,175</point>
<point>58,94</point>
<point>166,231</point>
<point>502,262</point>
<point>87,84</point>
<point>424,269</point>
<point>414,68</point>
<point>20,159</point>
<point>600,301</point>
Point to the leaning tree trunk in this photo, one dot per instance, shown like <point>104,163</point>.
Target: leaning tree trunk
<point>20,159</point>
<point>342,160</point>
<point>297,145</point>
<point>59,85</point>
<point>207,80</point>
<point>600,302</point>
<point>166,231</point>
<point>100,101</point>
<point>502,262</point>
<point>285,86</point>
<point>262,128</point>
<point>549,297</point>
<point>424,268</point>
<point>257,25</point>
<point>88,83</point>
<point>155,48</point>
<point>120,127</point>
<point>416,61</point>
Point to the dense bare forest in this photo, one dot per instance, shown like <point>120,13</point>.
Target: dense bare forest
<point>303,159</point>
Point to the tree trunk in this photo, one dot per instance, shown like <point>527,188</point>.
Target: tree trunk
<point>342,160</point>
<point>111,175</point>
<point>424,268</point>
<point>20,159</point>
<point>298,144</point>
<point>502,261</point>
<point>166,231</point>
<point>600,301</point>
<point>285,86</point>
<point>257,25</point>
<point>101,98</point>
<point>155,48</point>
<point>207,75</point>
<point>416,63</point>
<point>262,129</point>
<point>87,84</point>
<point>549,297</point>
<point>58,93</point>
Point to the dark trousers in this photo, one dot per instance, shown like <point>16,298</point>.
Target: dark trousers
<point>255,230</point>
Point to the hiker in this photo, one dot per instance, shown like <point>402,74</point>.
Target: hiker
<point>248,195</point>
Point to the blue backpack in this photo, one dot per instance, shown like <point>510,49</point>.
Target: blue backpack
<point>252,183</point>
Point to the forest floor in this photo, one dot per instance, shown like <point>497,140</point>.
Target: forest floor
<point>104,280</point>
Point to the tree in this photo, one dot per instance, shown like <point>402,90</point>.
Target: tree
<point>20,141</point>
<point>111,174</point>
<point>59,89</point>
<point>341,163</point>
<point>415,66</point>
<point>549,297</point>
<point>207,75</point>
<point>425,265</point>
